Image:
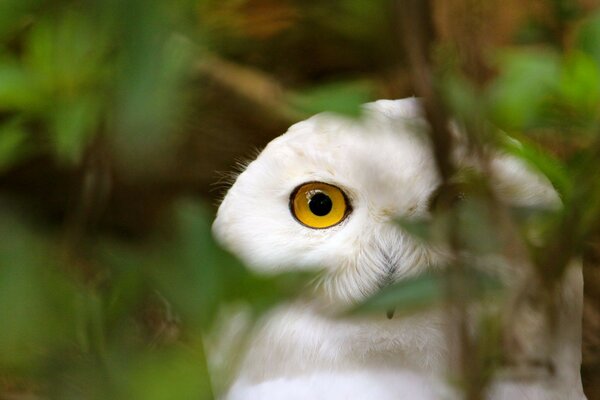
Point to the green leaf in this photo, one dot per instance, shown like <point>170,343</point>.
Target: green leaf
<point>587,37</point>
<point>548,165</point>
<point>460,94</point>
<point>36,302</point>
<point>424,291</point>
<point>12,138</point>
<point>527,79</point>
<point>193,281</point>
<point>410,295</point>
<point>578,92</point>
<point>476,228</point>
<point>419,228</point>
<point>343,98</point>
<point>65,54</point>
<point>202,275</point>
<point>13,12</point>
<point>17,88</point>
<point>74,123</point>
<point>173,373</point>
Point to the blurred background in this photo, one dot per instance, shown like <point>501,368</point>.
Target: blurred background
<point>121,122</point>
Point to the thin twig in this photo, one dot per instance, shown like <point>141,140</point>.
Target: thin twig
<point>417,36</point>
<point>251,84</point>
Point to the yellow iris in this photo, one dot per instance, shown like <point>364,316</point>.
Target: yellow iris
<point>319,205</point>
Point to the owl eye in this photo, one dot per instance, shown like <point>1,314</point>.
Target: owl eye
<point>319,205</point>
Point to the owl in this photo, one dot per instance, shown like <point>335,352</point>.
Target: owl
<point>324,196</point>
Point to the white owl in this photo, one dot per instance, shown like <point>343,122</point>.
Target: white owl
<point>324,195</point>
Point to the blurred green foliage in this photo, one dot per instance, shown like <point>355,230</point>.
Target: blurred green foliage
<point>70,72</point>
<point>60,328</point>
<point>110,316</point>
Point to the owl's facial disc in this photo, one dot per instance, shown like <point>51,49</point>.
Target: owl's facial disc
<point>319,205</point>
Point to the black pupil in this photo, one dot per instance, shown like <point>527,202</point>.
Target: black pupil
<point>320,204</point>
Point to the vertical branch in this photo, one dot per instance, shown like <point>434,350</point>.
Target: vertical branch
<point>418,37</point>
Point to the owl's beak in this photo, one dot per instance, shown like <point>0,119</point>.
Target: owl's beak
<point>390,313</point>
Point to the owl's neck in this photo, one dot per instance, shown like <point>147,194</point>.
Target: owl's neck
<point>298,338</point>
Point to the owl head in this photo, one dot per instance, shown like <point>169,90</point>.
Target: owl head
<point>326,193</point>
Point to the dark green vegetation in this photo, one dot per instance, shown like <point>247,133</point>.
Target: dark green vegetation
<point>114,115</point>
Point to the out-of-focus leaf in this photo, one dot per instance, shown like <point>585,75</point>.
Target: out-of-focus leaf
<point>587,37</point>
<point>356,19</point>
<point>476,228</point>
<point>17,88</point>
<point>264,292</point>
<point>578,93</point>
<point>551,167</point>
<point>462,97</point>
<point>526,81</point>
<point>203,275</point>
<point>566,10</point>
<point>535,223</point>
<point>418,228</point>
<point>129,277</point>
<point>12,137</point>
<point>36,303</point>
<point>194,282</point>
<point>74,123</point>
<point>65,55</point>
<point>58,80</point>
<point>171,373</point>
<point>424,291</point>
<point>410,295</point>
<point>152,68</point>
<point>533,32</point>
<point>90,323</point>
<point>342,98</point>
<point>13,12</point>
